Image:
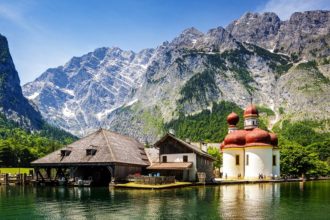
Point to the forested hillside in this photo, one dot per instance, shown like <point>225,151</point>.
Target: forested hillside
<point>18,147</point>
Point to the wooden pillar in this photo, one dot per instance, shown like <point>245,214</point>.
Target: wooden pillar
<point>6,179</point>
<point>63,172</point>
<point>49,174</point>
<point>58,171</point>
<point>24,179</point>
<point>112,174</point>
<point>36,170</point>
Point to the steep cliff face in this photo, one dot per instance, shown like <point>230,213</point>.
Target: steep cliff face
<point>304,36</point>
<point>12,102</point>
<point>259,29</point>
<point>281,64</point>
<point>80,94</point>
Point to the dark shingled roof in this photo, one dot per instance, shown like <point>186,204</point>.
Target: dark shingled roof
<point>110,147</point>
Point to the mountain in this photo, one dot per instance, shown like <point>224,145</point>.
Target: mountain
<point>12,102</point>
<point>79,95</point>
<point>24,134</point>
<point>305,35</point>
<point>282,65</point>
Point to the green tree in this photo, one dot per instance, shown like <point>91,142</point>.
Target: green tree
<point>8,156</point>
<point>323,149</point>
<point>215,152</point>
<point>297,160</point>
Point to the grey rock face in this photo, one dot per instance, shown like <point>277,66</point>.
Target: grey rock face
<point>80,94</point>
<point>259,29</point>
<point>305,34</point>
<point>12,102</point>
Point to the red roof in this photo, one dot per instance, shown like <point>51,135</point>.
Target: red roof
<point>232,118</point>
<point>246,138</point>
<point>257,135</point>
<point>235,139</point>
<point>251,110</point>
<point>273,139</point>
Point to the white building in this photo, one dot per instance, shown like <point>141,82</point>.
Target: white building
<point>180,159</point>
<point>251,153</point>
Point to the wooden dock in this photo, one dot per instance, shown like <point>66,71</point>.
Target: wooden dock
<point>17,179</point>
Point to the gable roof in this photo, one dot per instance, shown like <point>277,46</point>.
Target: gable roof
<point>185,144</point>
<point>110,147</point>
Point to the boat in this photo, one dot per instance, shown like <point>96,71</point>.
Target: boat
<point>80,182</point>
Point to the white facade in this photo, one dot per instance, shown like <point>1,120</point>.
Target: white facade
<point>230,168</point>
<point>258,155</point>
<point>253,162</point>
<point>276,166</point>
<point>179,158</point>
<point>260,162</point>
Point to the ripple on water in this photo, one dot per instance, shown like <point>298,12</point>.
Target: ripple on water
<point>254,201</point>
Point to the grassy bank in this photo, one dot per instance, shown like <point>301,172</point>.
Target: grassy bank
<point>15,170</point>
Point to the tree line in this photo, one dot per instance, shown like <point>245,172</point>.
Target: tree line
<point>18,147</point>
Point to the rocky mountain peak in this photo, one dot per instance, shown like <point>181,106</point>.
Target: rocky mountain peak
<point>216,39</point>
<point>260,29</point>
<point>187,38</point>
<point>12,102</point>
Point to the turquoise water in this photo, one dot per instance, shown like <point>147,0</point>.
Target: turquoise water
<point>309,200</point>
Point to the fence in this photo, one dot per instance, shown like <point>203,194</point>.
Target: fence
<point>154,180</point>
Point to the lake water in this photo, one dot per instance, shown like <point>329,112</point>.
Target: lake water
<point>309,200</point>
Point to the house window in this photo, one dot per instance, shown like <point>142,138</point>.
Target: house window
<point>185,158</point>
<point>90,152</point>
<point>65,153</point>
<point>274,160</point>
<point>247,160</point>
<point>164,159</point>
<point>237,159</point>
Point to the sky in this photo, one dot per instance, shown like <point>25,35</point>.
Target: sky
<point>46,33</point>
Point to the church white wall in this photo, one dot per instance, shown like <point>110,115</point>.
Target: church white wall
<point>276,169</point>
<point>260,162</point>
<point>229,163</point>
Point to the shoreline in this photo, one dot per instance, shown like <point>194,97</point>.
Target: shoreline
<point>217,183</point>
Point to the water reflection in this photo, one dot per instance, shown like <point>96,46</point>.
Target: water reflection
<point>263,201</point>
<point>247,201</point>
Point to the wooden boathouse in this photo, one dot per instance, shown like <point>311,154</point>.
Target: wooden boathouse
<point>101,157</point>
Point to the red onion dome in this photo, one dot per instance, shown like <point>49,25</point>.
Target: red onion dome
<point>273,139</point>
<point>235,138</point>
<point>232,118</point>
<point>251,110</point>
<point>257,137</point>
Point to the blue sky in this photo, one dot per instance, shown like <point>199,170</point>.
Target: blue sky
<point>47,33</point>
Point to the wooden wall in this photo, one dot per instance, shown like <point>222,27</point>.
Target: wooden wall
<point>205,165</point>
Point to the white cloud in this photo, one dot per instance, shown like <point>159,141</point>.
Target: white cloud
<point>16,14</point>
<point>284,8</point>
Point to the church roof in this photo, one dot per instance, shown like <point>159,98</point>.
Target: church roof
<point>247,137</point>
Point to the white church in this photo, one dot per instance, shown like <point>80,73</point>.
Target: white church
<point>251,153</point>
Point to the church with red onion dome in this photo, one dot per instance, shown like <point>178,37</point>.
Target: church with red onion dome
<point>251,153</point>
